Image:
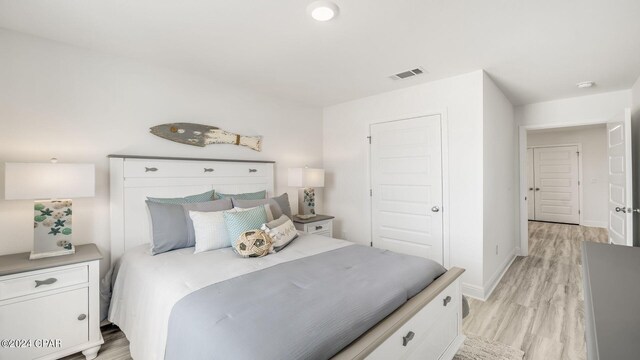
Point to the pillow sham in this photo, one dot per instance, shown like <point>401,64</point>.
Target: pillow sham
<point>244,196</point>
<point>210,230</point>
<point>207,206</point>
<point>267,210</point>
<point>171,226</point>
<point>253,243</point>
<point>206,196</point>
<point>279,205</point>
<point>281,231</point>
<point>237,222</point>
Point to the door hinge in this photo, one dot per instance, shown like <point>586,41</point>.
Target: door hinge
<point>371,244</point>
<point>578,212</point>
<point>578,182</point>
<point>370,192</point>
<point>369,138</point>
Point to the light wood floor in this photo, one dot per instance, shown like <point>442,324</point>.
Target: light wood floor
<point>537,306</point>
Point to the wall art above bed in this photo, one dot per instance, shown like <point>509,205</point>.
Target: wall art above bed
<point>203,135</point>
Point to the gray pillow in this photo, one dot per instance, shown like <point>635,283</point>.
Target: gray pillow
<point>206,196</point>
<point>259,195</point>
<point>208,206</point>
<point>171,224</point>
<point>279,205</point>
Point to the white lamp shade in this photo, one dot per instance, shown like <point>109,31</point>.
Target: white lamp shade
<point>306,178</point>
<point>37,181</point>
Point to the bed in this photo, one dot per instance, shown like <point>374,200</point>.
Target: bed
<point>170,304</point>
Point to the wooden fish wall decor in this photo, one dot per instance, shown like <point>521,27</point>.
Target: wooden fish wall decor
<point>203,135</point>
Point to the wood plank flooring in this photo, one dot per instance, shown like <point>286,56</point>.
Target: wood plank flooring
<point>537,306</point>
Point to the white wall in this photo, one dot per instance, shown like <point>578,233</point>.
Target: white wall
<point>594,166</point>
<point>635,125</point>
<point>574,111</point>
<point>500,185</point>
<point>346,127</point>
<point>80,106</point>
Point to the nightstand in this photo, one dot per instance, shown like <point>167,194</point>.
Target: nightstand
<point>50,307</point>
<point>319,225</point>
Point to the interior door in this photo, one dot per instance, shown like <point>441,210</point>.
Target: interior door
<point>620,179</point>
<point>531,196</point>
<point>557,195</point>
<point>406,181</point>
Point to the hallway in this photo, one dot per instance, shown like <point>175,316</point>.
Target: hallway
<point>537,306</point>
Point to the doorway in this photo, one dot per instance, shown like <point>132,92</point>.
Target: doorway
<point>553,175</point>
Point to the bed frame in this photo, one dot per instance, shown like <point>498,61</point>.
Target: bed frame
<point>428,326</point>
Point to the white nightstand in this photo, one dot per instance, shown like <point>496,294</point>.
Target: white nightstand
<point>319,225</point>
<point>50,307</point>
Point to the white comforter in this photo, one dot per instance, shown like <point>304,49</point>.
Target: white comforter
<point>147,287</point>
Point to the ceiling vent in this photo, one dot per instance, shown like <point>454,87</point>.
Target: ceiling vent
<point>407,74</point>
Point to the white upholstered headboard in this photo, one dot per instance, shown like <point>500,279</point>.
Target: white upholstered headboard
<point>133,178</point>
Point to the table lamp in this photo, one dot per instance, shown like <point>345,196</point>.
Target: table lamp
<point>51,186</point>
<point>307,179</point>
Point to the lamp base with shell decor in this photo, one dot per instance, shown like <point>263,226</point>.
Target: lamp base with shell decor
<point>52,229</point>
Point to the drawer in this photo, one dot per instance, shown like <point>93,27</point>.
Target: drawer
<point>170,169</point>
<point>62,317</point>
<point>318,227</point>
<point>434,328</point>
<point>42,281</point>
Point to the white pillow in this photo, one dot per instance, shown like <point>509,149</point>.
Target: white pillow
<point>210,230</point>
<point>267,209</point>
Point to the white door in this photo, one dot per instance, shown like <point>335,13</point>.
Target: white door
<point>406,184</point>
<point>557,195</point>
<point>531,207</point>
<point>620,179</point>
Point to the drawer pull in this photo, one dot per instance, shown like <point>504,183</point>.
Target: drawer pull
<point>253,170</point>
<point>318,227</point>
<point>82,317</point>
<point>409,337</point>
<point>446,300</point>
<point>208,170</point>
<point>48,281</point>
<point>150,169</point>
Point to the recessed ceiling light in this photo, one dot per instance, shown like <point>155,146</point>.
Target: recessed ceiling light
<point>585,84</point>
<point>322,10</point>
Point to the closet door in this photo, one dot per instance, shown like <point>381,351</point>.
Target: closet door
<point>556,184</point>
<point>531,195</point>
<point>406,180</point>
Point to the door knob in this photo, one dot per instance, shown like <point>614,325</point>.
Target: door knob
<point>530,189</point>
<point>537,189</point>
<point>435,209</point>
<point>619,209</point>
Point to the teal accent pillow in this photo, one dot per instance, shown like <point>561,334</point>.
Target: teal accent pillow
<point>237,222</point>
<point>246,196</point>
<point>191,199</point>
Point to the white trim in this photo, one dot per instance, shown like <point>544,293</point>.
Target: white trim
<point>498,275</point>
<point>474,291</point>
<point>444,144</point>
<point>598,224</point>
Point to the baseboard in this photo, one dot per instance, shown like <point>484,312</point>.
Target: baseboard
<point>497,276</point>
<point>474,291</point>
<point>453,348</point>
<point>598,224</point>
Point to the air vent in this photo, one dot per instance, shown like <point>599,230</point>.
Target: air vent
<point>408,74</point>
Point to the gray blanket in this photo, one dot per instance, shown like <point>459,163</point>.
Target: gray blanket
<point>309,308</point>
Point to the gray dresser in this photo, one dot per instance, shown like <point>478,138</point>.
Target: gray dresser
<point>611,275</point>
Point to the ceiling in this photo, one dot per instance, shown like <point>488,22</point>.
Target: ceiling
<point>535,50</point>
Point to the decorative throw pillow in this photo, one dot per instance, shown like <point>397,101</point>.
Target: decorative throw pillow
<point>238,222</point>
<point>267,210</point>
<point>206,196</point>
<point>282,232</point>
<point>171,226</point>
<point>253,243</point>
<point>245,196</point>
<point>279,205</point>
<point>210,230</point>
<point>207,206</point>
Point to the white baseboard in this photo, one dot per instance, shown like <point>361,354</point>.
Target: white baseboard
<point>598,224</point>
<point>483,293</point>
<point>453,348</point>
<point>497,276</point>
